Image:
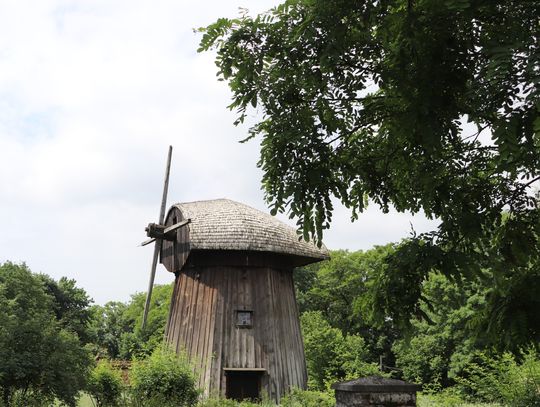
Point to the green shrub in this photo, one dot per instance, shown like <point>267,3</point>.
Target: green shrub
<point>164,379</point>
<point>221,402</point>
<point>28,398</point>
<point>296,398</point>
<point>448,397</point>
<point>503,379</point>
<point>307,398</point>
<point>105,385</point>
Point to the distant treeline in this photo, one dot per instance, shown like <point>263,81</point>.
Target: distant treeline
<point>51,335</point>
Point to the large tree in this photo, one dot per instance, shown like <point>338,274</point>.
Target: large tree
<point>41,355</point>
<point>421,105</point>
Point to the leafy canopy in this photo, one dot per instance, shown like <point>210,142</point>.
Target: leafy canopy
<point>338,289</point>
<point>420,105</point>
<point>116,327</point>
<point>40,352</point>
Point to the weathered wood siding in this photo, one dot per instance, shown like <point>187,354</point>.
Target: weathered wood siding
<point>202,321</point>
<point>174,254</point>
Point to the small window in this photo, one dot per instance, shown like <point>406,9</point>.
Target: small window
<point>244,319</point>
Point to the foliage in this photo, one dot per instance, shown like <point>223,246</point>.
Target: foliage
<point>221,402</point>
<point>424,106</point>
<point>504,379</point>
<point>42,358</point>
<point>107,325</point>
<point>295,398</point>
<point>435,352</point>
<point>137,342</point>
<point>105,385</point>
<point>507,318</point>
<point>511,311</point>
<point>448,398</point>
<point>71,305</point>
<point>338,287</point>
<point>116,327</point>
<point>28,398</point>
<point>330,355</point>
<point>164,379</point>
<point>307,398</point>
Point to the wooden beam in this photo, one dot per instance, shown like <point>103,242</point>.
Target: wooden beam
<point>148,241</point>
<point>176,226</point>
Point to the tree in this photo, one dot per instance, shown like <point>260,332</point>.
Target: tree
<point>330,355</point>
<point>437,351</point>
<point>107,325</point>
<point>40,357</point>
<point>420,105</point>
<point>116,327</point>
<point>338,288</point>
<point>139,342</point>
<point>70,304</point>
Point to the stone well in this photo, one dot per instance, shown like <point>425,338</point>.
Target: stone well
<point>376,391</point>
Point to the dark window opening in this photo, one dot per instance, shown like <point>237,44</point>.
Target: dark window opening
<point>244,319</point>
<point>243,385</point>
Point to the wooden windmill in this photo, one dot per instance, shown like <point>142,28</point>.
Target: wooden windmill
<point>233,308</point>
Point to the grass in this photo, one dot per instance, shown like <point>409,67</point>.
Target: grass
<point>446,400</point>
<point>423,401</point>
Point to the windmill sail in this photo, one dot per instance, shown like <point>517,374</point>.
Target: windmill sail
<point>158,241</point>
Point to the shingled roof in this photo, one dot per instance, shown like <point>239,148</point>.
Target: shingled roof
<point>222,224</point>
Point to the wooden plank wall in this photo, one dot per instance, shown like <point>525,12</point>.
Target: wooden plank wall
<point>174,254</point>
<point>203,322</point>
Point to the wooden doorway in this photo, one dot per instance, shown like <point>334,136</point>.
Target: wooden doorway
<point>243,384</point>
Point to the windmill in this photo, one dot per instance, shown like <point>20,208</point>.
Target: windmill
<point>157,232</point>
<point>233,308</point>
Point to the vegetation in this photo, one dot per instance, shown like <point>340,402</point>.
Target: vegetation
<point>105,385</point>
<point>47,359</point>
<point>338,288</point>
<point>440,350</point>
<point>511,380</point>
<point>42,355</point>
<point>165,379</point>
<point>295,398</point>
<point>116,327</point>
<point>330,355</point>
<point>424,106</point>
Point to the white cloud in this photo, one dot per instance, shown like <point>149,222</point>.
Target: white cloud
<point>91,95</point>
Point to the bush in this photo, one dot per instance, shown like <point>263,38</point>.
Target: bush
<point>105,385</point>
<point>162,380</point>
<point>28,398</point>
<point>503,379</point>
<point>220,402</point>
<point>296,398</point>
<point>448,397</point>
<point>306,398</point>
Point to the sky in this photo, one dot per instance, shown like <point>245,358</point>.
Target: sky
<point>92,93</point>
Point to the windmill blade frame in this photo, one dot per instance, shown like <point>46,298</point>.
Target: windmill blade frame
<point>157,246</point>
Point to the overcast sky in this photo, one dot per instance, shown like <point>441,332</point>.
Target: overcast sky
<point>91,95</point>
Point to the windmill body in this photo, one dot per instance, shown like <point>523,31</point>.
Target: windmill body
<point>233,308</point>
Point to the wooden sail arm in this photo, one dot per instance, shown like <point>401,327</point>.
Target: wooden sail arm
<point>155,231</point>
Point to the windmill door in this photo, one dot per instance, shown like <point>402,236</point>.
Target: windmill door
<point>243,384</point>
